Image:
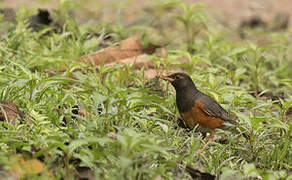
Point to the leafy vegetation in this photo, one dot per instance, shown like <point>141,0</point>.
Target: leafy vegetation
<point>130,129</point>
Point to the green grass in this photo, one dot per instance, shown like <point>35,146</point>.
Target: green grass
<point>130,130</point>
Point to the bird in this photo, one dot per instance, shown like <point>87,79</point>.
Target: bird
<point>9,112</point>
<point>197,108</point>
<point>42,18</point>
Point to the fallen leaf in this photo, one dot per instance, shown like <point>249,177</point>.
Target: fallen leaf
<point>198,175</point>
<point>129,48</point>
<point>139,61</point>
<point>22,167</point>
<point>9,112</point>
<point>32,166</point>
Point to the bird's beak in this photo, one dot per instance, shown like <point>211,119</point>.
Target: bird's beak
<point>167,78</point>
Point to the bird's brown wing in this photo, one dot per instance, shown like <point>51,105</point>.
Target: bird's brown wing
<point>204,118</point>
<point>212,108</point>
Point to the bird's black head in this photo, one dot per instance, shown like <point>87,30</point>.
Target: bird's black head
<point>44,16</point>
<point>180,81</point>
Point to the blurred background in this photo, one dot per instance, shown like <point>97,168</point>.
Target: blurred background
<point>228,12</point>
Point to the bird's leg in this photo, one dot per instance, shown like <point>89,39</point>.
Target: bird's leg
<point>209,140</point>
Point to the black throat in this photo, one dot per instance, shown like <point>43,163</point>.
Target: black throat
<point>185,98</point>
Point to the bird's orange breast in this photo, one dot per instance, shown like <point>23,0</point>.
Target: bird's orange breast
<point>198,116</point>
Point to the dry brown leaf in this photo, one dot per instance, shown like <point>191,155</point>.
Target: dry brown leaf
<point>9,112</point>
<point>22,167</point>
<point>32,166</point>
<point>128,48</point>
<point>139,61</point>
